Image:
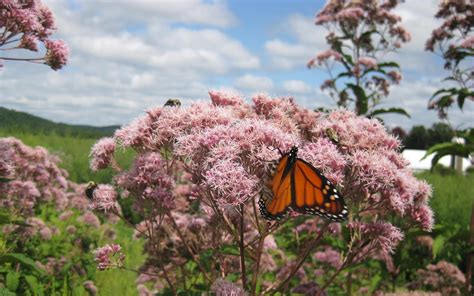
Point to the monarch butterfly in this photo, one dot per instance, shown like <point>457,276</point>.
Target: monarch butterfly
<point>299,186</point>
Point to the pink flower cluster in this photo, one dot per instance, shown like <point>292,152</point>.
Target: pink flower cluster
<point>24,24</point>
<point>38,180</point>
<point>200,169</point>
<point>104,198</point>
<point>456,28</point>
<point>36,175</point>
<point>109,257</point>
<point>352,14</point>
<point>443,277</point>
<point>323,57</point>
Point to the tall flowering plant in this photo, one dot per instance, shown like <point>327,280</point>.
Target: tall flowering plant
<point>199,173</point>
<point>360,34</point>
<point>25,25</point>
<point>454,42</point>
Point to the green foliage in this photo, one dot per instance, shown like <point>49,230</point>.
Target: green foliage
<point>389,110</point>
<point>449,148</point>
<point>422,138</point>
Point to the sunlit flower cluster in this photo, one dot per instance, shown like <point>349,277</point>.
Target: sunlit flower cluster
<point>200,170</point>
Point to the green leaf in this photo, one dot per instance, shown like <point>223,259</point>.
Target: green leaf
<point>34,285</point>
<point>389,64</point>
<point>448,148</point>
<point>445,101</point>
<point>444,90</point>
<point>230,250</point>
<point>21,259</point>
<point>13,280</point>
<point>343,74</point>
<point>6,292</point>
<point>375,282</point>
<point>389,110</point>
<point>5,180</point>
<point>362,102</point>
<point>462,94</point>
<point>438,244</point>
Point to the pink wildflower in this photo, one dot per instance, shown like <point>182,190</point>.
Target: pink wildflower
<point>102,153</point>
<point>329,256</point>
<point>351,15</point>
<point>468,42</point>
<point>368,62</point>
<point>45,233</point>
<point>324,56</point>
<point>225,99</point>
<point>57,54</point>
<point>104,198</point>
<point>90,287</point>
<point>383,236</point>
<point>222,287</point>
<point>90,219</point>
<point>109,257</point>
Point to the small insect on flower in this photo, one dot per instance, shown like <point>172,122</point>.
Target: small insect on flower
<point>299,186</point>
<point>91,186</point>
<point>332,135</point>
<point>173,103</point>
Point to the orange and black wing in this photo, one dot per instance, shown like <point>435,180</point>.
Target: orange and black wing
<point>314,194</point>
<point>276,207</point>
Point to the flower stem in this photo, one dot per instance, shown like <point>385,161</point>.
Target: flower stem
<point>311,245</point>
<point>242,249</point>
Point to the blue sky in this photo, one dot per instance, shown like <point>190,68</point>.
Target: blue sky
<point>127,56</point>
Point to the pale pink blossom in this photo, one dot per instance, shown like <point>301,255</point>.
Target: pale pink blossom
<point>221,287</point>
<point>90,219</point>
<point>109,257</point>
<point>368,62</point>
<point>353,14</point>
<point>102,153</point>
<point>57,54</point>
<point>329,256</point>
<point>45,233</point>
<point>323,57</point>
<point>219,98</point>
<point>90,287</point>
<point>104,198</point>
<point>468,42</point>
<point>382,236</point>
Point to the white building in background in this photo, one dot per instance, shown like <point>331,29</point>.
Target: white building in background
<point>416,164</point>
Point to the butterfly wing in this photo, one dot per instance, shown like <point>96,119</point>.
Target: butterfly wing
<point>314,194</point>
<point>276,207</point>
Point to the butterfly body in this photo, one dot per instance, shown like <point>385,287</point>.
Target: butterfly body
<point>298,186</point>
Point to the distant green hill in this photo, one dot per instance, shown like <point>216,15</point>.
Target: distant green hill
<point>20,122</point>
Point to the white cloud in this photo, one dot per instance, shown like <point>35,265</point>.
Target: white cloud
<point>255,83</point>
<point>127,56</point>
<point>297,86</point>
<point>308,40</point>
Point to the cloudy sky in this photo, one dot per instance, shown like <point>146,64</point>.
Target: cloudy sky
<point>127,56</point>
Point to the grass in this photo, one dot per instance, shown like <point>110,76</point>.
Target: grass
<point>453,197</point>
<point>74,153</point>
<point>122,282</point>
